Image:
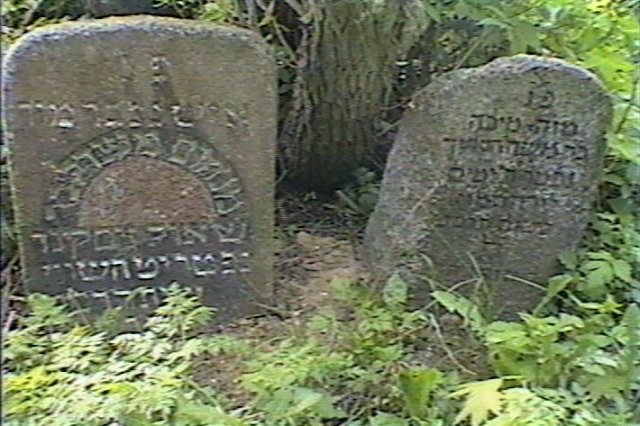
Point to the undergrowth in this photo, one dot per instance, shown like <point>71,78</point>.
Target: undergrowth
<point>359,362</point>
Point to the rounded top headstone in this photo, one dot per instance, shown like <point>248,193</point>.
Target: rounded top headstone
<point>492,176</point>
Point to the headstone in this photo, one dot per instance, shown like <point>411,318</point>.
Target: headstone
<point>493,174</point>
<point>142,153</point>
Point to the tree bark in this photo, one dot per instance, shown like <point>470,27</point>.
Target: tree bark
<point>344,73</point>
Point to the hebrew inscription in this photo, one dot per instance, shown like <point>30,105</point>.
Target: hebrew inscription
<point>104,203</point>
<point>495,168</point>
<point>199,265</point>
<point>123,114</point>
<point>141,163</point>
<point>492,175</point>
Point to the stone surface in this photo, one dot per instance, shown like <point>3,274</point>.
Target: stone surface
<point>498,164</point>
<point>142,153</point>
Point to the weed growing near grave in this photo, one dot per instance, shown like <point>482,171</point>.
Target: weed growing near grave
<point>603,36</point>
<point>351,358</point>
<point>21,16</point>
<point>585,363</point>
<point>356,363</point>
<point>349,364</point>
<point>219,11</point>
<point>59,372</point>
<point>359,198</point>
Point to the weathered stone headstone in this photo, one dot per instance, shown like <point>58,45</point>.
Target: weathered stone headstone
<point>142,153</point>
<point>494,167</point>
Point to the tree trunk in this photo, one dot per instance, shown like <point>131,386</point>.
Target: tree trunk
<point>344,73</point>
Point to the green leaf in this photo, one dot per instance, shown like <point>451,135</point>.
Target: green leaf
<point>304,399</point>
<point>601,255</point>
<point>556,285</point>
<point>462,9</point>
<point>493,22</point>
<point>482,399</point>
<point>395,292</point>
<point>416,385</point>
<point>523,35</point>
<point>607,386</point>
<point>497,12</point>
<point>608,62</point>
<point>594,369</point>
<point>622,270</point>
<point>386,419</point>
<point>139,420</point>
<point>196,413</point>
<point>512,333</point>
<point>623,206</point>
<point>626,148</point>
<point>529,35</point>
<point>599,273</point>
<point>432,12</point>
<point>326,409</point>
<point>569,259</point>
<point>344,290</point>
<point>460,305</point>
<point>632,352</point>
<point>633,171</point>
<point>293,402</point>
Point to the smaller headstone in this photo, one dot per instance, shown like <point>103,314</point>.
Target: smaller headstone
<point>141,154</point>
<point>493,174</point>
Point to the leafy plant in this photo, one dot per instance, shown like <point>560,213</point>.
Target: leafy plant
<point>417,386</point>
<point>361,356</point>
<point>221,11</point>
<point>184,8</point>
<point>61,373</point>
<point>361,196</point>
<point>592,358</point>
<point>608,262</point>
<point>21,16</point>
<point>482,399</point>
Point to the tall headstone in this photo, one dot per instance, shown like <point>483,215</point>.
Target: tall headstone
<point>493,174</point>
<point>142,153</point>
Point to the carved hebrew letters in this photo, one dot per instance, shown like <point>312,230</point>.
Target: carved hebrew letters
<point>510,145</point>
<point>120,239</point>
<point>149,268</point>
<point>124,115</point>
<point>81,168</point>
